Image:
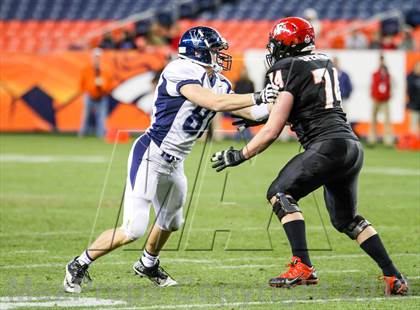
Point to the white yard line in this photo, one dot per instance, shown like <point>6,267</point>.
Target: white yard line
<point>46,159</point>
<point>44,233</point>
<point>279,302</point>
<point>193,230</point>
<point>214,263</point>
<point>277,265</point>
<point>55,302</point>
<point>392,171</point>
<point>28,251</point>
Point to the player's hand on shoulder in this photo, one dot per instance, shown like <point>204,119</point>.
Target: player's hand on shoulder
<point>227,158</point>
<point>267,95</point>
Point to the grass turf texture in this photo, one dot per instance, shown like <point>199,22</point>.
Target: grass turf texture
<point>48,209</point>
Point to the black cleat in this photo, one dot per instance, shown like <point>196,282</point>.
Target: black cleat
<point>156,274</point>
<point>75,275</point>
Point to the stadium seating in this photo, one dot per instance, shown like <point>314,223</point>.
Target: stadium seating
<point>37,25</point>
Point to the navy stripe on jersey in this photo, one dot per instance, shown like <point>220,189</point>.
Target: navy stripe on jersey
<point>229,86</point>
<point>203,77</point>
<point>138,153</point>
<point>167,107</point>
<point>185,82</point>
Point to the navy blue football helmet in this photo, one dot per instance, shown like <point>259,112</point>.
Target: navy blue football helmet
<point>203,45</point>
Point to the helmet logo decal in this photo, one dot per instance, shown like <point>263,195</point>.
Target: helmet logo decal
<point>307,39</point>
<point>195,37</point>
<point>280,28</point>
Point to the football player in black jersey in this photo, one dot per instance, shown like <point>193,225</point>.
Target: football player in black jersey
<point>309,100</point>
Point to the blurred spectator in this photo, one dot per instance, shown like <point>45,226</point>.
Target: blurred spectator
<point>127,41</point>
<point>97,84</point>
<point>376,42</point>
<point>407,43</point>
<point>145,103</point>
<point>381,93</point>
<point>312,16</point>
<point>244,85</point>
<point>164,31</point>
<point>345,83</point>
<point>107,42</point>
<point>388,43</point>
<point>390,26</point>
<point>413,90</point>
<point>356,40</point>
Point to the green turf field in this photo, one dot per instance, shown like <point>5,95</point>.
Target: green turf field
<point>51,188</point>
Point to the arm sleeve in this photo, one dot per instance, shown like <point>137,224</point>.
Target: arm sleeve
<point>180,73</point>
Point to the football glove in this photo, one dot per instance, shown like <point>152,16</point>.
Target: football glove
<point>243,123</point>
<point>227,158</point>
<point>267,95</point>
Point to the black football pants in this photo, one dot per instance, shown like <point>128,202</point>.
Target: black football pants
<point>334,164</point>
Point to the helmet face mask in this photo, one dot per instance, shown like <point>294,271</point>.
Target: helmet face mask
<point>203,45</point>
<point>290,36</point>
<point>222,60</point>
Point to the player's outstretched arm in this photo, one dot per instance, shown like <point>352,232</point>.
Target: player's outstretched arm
<point>272,129</point>
<point>206,98</point>
<point>254,113</point>
<point>266,136</point>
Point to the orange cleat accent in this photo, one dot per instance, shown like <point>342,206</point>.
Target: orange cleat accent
<point>395,286</point>
<point>298,274</point>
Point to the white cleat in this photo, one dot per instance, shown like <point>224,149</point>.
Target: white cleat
<point>75,274</point>
<point>156,274</point>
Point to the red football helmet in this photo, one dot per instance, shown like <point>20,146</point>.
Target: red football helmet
<point>290,36</point>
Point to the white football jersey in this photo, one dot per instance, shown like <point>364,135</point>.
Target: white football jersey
<point>177,122</point>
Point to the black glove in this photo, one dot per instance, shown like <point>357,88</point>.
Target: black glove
<point>267,95</point>
<point>243,123</point>
<point>227,158</point>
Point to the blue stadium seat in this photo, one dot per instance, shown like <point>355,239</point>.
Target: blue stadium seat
<point>244,9</point>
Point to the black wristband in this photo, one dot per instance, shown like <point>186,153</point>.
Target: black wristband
<point>241,155</point>
<point>257,98</point>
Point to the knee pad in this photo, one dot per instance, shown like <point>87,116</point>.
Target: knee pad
<point>285,204</point>
<point>131,232</point>
<point>171,223</point>
<point>356,226</point>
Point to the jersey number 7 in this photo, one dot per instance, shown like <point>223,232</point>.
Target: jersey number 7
<point>323,74</point>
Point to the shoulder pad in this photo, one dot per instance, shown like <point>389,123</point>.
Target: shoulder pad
<point>282,64</point>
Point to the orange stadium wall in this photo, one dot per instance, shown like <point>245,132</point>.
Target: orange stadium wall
<point>41,92</point>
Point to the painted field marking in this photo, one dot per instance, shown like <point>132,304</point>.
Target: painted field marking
<point>28,251</point>
<point>276,265</point>
<point>391,171</point>
<point>259,303</point>
<point>46,159</point>
<point>212,262</point>
<point>45,233</point>
<point>81,232</point>
<point>9,302</point>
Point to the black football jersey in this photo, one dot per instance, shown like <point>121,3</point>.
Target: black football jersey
<point>316,114</point>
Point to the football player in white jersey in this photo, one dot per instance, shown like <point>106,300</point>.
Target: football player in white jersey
<point>190,91</point>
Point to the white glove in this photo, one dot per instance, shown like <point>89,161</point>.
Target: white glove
<point>267,95</point>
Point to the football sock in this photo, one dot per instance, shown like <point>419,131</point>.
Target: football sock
<point>296,233</point>
<point>84,258</point>
<point>149,260</point>
<point>374,247</point>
